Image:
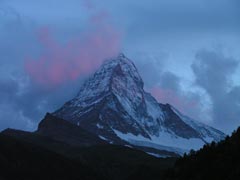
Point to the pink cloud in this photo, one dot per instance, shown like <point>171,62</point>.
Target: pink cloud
<point>60,63</point>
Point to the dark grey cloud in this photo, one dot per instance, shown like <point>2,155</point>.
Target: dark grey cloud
<point>170,81</point>
<point>169,89</point>
<point>150,66</point>
<point>10,113</point>
<point>213,73</point>
<point>24,103</point>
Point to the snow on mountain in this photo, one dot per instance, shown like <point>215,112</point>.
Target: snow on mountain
<point>208,133</point>
<point>112,104</point>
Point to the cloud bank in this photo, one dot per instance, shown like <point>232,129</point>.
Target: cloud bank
<point>40,69</point>
<point>79,56</point>
<point>213,71</point>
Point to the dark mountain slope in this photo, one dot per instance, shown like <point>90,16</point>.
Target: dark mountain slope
<point>61,130</point>
<point>110,161</point>
<point>53,132</point>
<point>24,161</point>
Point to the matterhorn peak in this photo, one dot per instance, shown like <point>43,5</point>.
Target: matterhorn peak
<point>113,105</point>
<point>121,55</point>
<point>121,61</point>
<point>117,75</point>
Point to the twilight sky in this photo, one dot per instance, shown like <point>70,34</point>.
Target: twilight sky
<point>187,52</point>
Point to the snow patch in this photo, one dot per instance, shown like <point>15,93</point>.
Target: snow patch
<point>103,138</point>
<point>164,141</point>
<point>99,126</point>
<point>153,107</point>
<point>128,146</point>
<point>208,133</point>
<point>157,155</point>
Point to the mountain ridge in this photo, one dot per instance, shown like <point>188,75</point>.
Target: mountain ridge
<point>112,103</point>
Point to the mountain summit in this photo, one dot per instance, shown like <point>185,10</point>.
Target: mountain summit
<point>113,104</point>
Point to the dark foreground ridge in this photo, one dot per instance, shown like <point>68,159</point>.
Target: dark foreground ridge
<point>214,161</point>
<point>49,154</point>
<point>20,160</point>
<point>27,156</point>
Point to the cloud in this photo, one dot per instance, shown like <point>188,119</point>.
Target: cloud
<point>150,66</point>
<point>213,71</point>
<point>23,104</point>
<point>169,90</point>
<point>80,56</point>
<point>10,113</point>
<point>173,16</point>
<point>24,98</point>
<point>168,87</point>
<point>14,118</point>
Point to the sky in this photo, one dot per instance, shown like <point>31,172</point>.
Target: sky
<point>187,53</point>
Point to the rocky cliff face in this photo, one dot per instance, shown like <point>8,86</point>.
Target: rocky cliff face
<point>113,104</point>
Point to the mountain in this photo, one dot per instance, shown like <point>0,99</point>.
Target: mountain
<point>214,161</point>
<point>71,154</point>
<point>113,105</point>
<point>112,130</point>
